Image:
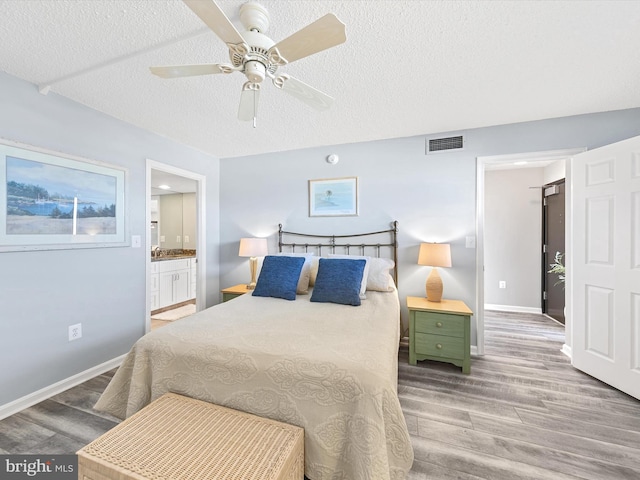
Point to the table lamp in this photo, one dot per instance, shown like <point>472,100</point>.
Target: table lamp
<point>253,248</point>
<point>434,255</point>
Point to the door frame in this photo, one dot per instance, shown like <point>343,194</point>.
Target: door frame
<point>481,163</point>
<point>201,251</point>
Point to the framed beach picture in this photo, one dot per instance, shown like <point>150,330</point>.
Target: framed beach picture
<point>333,197</point>
<point>50,200</point>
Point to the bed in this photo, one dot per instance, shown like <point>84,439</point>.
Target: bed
<point>328,367</point>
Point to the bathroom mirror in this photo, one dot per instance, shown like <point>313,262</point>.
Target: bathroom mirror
<point>173,212</point>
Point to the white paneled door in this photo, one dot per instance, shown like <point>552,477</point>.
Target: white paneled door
<point>604,267</point>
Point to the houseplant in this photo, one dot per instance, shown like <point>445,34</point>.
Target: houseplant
<point>558,268</point>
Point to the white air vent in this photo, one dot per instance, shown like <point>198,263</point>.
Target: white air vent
<point>442,144</point>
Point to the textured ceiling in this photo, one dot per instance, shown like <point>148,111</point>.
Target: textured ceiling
<point>407,68</point>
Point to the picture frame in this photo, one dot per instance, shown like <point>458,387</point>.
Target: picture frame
<point>333,197</point>
<point>50,200</point>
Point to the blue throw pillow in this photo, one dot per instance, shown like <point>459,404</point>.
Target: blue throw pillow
<point>279,277</point>
<point>338,281</point>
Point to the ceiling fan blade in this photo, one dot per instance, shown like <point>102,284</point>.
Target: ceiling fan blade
<point>309,95</point>
<point>324,33</point>
<point>176,71</point>
<point>211,14</point>
<point>249,98</point>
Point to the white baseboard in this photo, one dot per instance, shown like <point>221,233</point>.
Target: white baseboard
<point>566,349</point>
<point>512,308</point>
<point>31,399</point>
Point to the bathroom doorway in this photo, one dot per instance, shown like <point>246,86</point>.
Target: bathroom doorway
<point>175,240</point>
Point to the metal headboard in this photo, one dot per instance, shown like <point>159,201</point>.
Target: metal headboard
<point>337,241</point>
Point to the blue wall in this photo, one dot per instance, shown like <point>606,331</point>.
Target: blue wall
<point>43,292</point>
<point>433,197</point>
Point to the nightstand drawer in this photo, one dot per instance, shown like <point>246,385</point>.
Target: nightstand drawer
<point>234,292</point>
<point>439,346</point>
<point>440,324</point>
<point>229,296</point>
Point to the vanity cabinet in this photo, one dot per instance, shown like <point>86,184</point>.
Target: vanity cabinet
<point>155,287</point>
<point>174,278</point>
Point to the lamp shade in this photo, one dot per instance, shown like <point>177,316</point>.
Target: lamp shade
<point>253,247</point>
<point>435,254</point>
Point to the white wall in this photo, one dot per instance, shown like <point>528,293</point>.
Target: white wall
<point>554,172</point>
<point>43,292</point>
<point>513,238</point>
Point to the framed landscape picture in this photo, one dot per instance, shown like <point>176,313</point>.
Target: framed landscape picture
<point>50,200</point>
<point>333,197</point>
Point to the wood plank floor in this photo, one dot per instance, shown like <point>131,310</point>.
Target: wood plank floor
<point>522,413</point>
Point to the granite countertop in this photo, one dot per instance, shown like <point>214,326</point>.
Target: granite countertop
<point>173,255</point>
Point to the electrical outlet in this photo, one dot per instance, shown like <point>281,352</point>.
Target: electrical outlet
<point>186,239</point>
<point>178,238</point>
<point>75,332</point>
<point>502,284</point>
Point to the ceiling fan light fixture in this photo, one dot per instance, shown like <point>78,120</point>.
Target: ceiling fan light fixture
<point>254,71</point>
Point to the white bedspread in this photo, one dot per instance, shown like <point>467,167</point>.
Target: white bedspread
<point>331,369</point>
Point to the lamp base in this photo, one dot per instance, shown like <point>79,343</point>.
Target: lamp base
<point>253,268</point>
<point>434,286</point>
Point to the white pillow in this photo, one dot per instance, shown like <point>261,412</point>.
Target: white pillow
<point>315,263</point>
<point>365,274</point>
<point>305,273</point>
<point>379,278</point>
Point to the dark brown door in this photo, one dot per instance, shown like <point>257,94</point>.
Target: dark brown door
<point>553,239</point>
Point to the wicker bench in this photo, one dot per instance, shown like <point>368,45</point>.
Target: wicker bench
<point>177,437</point>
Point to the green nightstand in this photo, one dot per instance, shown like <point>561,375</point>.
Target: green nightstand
<point>233,292</point>
<point>440,331</point>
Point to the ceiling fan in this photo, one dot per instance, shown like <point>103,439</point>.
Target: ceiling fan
<point>258,57</point>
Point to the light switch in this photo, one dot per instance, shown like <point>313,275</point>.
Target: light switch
<point>136,241</point>
<point>470,241</point>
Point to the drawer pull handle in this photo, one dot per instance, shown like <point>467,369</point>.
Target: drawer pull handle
<point>438,324</point>
<point>439,346</point>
